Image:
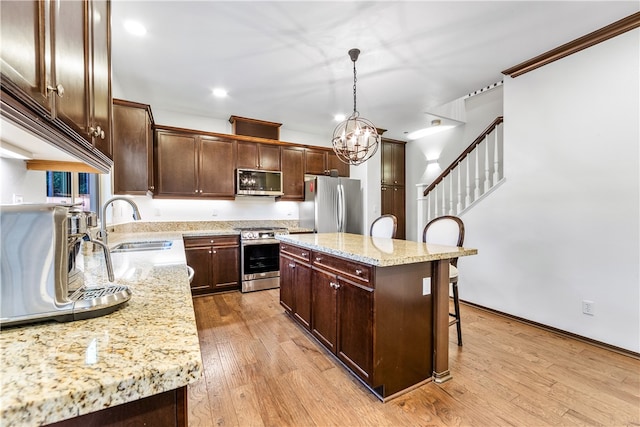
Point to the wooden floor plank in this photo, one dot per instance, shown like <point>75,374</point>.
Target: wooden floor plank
<point>261,368</point>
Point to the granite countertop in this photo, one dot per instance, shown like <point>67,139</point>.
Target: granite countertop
<point>54,371</point>
<point>376,251</point>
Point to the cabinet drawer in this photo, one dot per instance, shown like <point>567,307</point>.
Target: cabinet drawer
<point>295,251</point>
<point>348,268</point>
<point>191,242</point>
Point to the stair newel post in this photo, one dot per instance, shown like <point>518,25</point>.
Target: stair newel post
<point>496,158</point>
<point>476,190</point>
<point>459,205</point>
<point>487,173</point>
<point>467,199</point>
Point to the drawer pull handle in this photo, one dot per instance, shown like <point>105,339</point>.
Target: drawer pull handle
<point>292,266</point>
<point>334,285</point>
<point>318,259</point>
<point>304,254</point>
<point>358,272</point>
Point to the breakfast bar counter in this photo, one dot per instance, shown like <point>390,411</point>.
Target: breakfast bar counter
<point>147,349</point>
<point>380,306</point>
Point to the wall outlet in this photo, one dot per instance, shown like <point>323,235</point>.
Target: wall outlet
<point>588,307</point>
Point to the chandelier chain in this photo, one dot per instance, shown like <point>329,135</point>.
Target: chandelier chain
<point>355,79</point>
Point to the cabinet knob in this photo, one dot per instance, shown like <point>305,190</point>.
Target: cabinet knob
<point>292,266</point>
<point>318,259</point>
<point>211,241</point>
<point>97,132</point>
<point>58,90</point>
<point>210,252</point>
<point>358,272</point>
<point>304,254</point>
<point>215,252</point>
<point>152,188</point>
<point>334,285</point>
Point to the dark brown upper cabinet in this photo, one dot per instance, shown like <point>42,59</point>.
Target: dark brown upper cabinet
<point>319,161</point>
<point>191,166</point>
<point>132,148</point>
<point>255,155</point>
<point>56,62</point>
<point>292,173</point>
<point>257,128</point>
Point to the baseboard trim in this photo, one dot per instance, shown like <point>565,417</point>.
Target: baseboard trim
<point>600,344</point>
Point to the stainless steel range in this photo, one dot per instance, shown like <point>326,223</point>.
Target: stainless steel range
<point>260,257</point>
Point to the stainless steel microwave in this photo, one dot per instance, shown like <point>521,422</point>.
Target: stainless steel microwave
<point>253,182</point>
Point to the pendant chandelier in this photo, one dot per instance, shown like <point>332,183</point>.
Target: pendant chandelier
<point>356,139</point>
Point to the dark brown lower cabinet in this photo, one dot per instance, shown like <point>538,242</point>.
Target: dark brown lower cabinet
<point>215,261</point>
<point>295,283</point>
<point>168,409</point>
<point>393,201</point>
<point>377,321</point>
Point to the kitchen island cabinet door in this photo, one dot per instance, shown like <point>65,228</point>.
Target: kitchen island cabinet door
<point>323,310</point>
<point>177,164</point>
<point>216,167</point>
<point>287,282</point>
<point>355,328</point>
<point>302,294</point>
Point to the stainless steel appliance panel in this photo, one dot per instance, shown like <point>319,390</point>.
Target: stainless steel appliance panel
<point>32,276</point>
<point>332,205</point>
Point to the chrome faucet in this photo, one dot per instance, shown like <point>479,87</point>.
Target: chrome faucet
<point>103,219</point>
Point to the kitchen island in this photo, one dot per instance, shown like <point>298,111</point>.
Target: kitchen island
<point>138,359</point>
<point>381,306</point>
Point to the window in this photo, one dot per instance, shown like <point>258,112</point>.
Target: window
<point>72,187</point>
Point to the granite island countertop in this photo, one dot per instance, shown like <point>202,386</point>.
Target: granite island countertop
<point>376,251</point>
<point>53,371</point>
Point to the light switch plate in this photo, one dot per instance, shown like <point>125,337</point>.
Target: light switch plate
<point>426,286</point>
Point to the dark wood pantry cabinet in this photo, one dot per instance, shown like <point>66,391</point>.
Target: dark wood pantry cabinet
<point>215,261</point>
<point>392,190</point>
<point>70,106</point>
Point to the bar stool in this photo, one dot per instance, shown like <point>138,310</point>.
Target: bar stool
<point>448,230</point>
<point>384,226</point>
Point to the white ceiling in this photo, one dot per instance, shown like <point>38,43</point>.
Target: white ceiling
<point>287,62</point>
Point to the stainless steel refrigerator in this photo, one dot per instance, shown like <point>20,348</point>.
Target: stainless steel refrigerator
<point>332,205</point>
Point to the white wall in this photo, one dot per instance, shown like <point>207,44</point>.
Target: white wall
<point>565,225</point>
<point>480,111</point>
<point>16,179</point>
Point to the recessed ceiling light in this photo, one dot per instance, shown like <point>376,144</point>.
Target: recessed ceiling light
<point>135,28</point>
<point>339,117</point>
<point>220,93</point>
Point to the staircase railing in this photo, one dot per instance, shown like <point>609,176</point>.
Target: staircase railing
<point>471,176</point>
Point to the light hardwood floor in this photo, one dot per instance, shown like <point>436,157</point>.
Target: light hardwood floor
<point>262,369</point>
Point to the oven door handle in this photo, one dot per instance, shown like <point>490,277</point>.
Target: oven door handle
<point>259,242</point>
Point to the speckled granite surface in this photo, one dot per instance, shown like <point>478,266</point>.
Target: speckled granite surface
<point>54,371</point>
<point>200,226</point>
<point>375,251</point>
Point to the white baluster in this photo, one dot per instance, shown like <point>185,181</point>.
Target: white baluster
<point>459,205</point>
<point>451,193</point>
<point>467,198</point>
<point>435,201</point>
<point>496,159</point>
<point>487,175</point>
<point>476,190</point>
<point>444,194</point>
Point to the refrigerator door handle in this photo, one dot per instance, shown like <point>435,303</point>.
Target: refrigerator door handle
<point>341,208</point>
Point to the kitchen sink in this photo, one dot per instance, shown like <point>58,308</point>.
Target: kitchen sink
<point>154,245</point>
